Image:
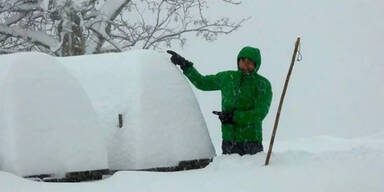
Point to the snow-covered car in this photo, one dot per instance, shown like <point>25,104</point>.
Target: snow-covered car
<point>60,115</point>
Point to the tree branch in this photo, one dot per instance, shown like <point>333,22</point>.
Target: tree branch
<point>108,12</point>
<point>34,36</point>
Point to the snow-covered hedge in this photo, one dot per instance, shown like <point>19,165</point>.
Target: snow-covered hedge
<point>61,114</point>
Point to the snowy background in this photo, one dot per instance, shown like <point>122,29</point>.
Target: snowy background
<point>330,136</point>
<point>335,90</point>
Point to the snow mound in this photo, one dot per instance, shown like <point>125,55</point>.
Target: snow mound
<point>47,124</point>
<point>162,121</point>
<point>61,114</point>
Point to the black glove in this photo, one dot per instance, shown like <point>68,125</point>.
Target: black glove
<point>226,117</point>
<point>179,60</point>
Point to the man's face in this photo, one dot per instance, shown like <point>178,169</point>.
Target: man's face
<point>246,65</point>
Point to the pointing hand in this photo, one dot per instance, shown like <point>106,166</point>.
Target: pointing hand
<point>179,60</point>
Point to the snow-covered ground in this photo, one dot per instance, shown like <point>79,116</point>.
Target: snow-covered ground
<point>314,164</point>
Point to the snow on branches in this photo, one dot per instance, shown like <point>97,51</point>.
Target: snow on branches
<point>77,27</point>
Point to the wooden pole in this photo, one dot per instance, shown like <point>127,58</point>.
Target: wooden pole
<point>281,101</point>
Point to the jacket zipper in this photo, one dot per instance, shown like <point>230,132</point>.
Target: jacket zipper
<point>236,102</point>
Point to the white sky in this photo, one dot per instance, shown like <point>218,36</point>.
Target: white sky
<point>337,88</point>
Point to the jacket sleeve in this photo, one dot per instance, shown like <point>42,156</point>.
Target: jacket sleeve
<point>205,83</point>
<point>261,108</point>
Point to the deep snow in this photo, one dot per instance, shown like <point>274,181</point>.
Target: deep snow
<point>336,91</point>
<point>325,163</point>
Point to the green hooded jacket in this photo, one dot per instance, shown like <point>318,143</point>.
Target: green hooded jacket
<point>247,95</point>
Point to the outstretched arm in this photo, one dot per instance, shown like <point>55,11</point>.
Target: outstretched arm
<point>205,83</point>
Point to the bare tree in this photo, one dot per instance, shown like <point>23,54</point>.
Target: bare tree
<point>77,27</point>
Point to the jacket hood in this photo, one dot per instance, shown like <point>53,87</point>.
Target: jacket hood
<point>252,54</point>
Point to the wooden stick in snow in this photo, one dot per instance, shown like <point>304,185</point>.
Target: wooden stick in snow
<point>281,101</point>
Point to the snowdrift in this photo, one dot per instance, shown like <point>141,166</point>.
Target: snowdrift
<point>61,114</point>
<point>315,164</point>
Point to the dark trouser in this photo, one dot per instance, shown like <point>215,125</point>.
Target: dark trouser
<point>241,148</point>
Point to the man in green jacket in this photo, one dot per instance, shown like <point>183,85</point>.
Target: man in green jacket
<point>246,97</point>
